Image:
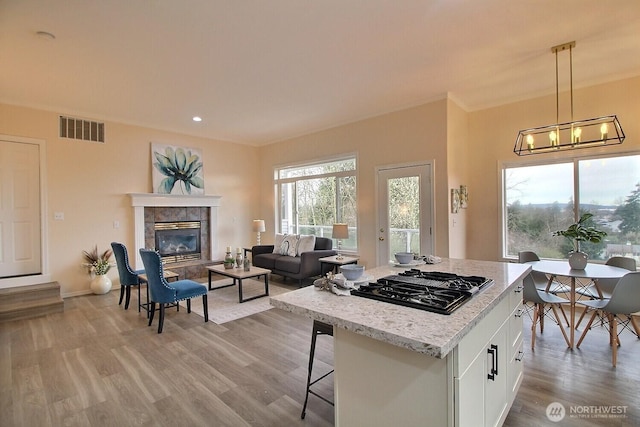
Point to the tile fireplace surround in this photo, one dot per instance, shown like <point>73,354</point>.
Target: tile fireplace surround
<point>175,208</point>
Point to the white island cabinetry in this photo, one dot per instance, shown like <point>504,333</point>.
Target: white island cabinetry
<point>397,365</point>
<point>490,365</point>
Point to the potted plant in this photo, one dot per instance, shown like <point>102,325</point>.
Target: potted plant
<point>98,265</point>
<point>580,232</point>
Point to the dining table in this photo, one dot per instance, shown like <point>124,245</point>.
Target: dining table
<point>592,272</point>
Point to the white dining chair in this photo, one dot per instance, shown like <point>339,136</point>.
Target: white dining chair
<point>624,301</point>
<point>606,285</point>
<point>542,302</point>
<point>542,282</point>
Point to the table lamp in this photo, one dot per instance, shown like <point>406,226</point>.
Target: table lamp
<point>340,231</point>
<point>258,227</point>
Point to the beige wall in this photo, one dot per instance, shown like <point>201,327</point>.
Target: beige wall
<point>410,136</point>
<point>89,182</point>
<point>492,134</point>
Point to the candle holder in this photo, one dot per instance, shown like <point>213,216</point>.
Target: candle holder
<point>229,261</point>
<point>239,263</point>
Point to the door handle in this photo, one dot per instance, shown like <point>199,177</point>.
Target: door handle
<point>381,239</point>
<point>493,351</point>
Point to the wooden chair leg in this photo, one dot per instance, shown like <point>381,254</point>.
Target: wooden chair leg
<point>536,315</point>
<point>584,311</point>
<point>161,320</point>
<point>634,323</point>
<point>566,319</point>
<point>127,298</point>
<point>586,329</point>
<point>189,305</point>
<point>152,311</point>
<point>121,294</point>
<point>205,306</point>
<point>614,337</point>
<point>564,334</point>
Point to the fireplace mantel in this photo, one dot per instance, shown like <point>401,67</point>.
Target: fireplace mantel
<point>141,200</point>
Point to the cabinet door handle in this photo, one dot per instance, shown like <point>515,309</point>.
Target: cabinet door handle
<point>520,356</point>
<point>520,312</point>
<point>493,351</point>
<point>518,289</point>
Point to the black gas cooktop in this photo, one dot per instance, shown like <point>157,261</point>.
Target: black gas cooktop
<point>434,291</point>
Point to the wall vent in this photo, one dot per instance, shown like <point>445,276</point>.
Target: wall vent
<point>85,130</point>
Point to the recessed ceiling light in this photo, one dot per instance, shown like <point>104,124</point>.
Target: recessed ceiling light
<point>45,35</point>
<point>197,118</point>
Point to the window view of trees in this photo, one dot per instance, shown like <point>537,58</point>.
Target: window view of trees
<point>314,197</point>
<point>404,214</point>
<point>540,200</point>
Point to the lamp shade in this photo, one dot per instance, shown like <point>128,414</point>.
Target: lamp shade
<point>258,225</point>
<point>340,231</point>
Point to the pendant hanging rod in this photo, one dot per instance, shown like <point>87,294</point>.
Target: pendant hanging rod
<point>555,50</point>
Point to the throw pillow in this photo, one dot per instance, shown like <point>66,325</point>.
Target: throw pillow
<point>306,243</point>
<point>289,245</point>
<point>278,243</point>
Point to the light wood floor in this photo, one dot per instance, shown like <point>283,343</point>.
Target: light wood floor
<point>99,365</point>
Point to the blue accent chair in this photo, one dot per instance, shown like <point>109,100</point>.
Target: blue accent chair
<point>128,277</point>
<point>163,292</point>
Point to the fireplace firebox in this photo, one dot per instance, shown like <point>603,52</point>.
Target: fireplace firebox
<point>178,241</point>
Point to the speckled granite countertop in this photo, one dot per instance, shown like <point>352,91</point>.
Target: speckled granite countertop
<point>418,330</point>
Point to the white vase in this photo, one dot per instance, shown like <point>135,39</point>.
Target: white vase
<point>101,284</point>
<point>578,260</point>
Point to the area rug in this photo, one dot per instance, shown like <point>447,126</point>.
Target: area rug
<point>223,302</point>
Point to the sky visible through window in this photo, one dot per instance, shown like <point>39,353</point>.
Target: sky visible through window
<point>554,183</point>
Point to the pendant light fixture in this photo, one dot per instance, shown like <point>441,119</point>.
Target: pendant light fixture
<point>587,133</point>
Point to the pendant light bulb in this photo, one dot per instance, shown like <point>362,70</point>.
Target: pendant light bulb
<point>604,132</point>
<point>577,132</point>
<point>530,144</point>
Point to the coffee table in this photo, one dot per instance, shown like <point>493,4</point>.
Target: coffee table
<point>238,274</point>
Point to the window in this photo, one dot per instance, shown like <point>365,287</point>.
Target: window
<point>312,197</point>
<point>542,198</point>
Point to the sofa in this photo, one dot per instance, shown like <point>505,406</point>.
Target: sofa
<point>294,256</point>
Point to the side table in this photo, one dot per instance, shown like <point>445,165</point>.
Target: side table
<point>336,262</point>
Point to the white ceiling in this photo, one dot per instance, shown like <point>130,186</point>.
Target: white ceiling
<point>259,71</point>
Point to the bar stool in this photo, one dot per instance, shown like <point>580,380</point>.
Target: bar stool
<point>319,328</point>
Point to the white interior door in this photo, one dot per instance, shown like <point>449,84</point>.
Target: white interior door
<point>405,211</point>
<point>20,238</point>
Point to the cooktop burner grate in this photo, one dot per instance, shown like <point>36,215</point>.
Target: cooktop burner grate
<point>425,290</point>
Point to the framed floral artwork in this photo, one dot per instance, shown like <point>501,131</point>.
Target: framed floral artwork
<point>176,170</point>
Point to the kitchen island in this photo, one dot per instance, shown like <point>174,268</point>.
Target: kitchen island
<point>397,365</point>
